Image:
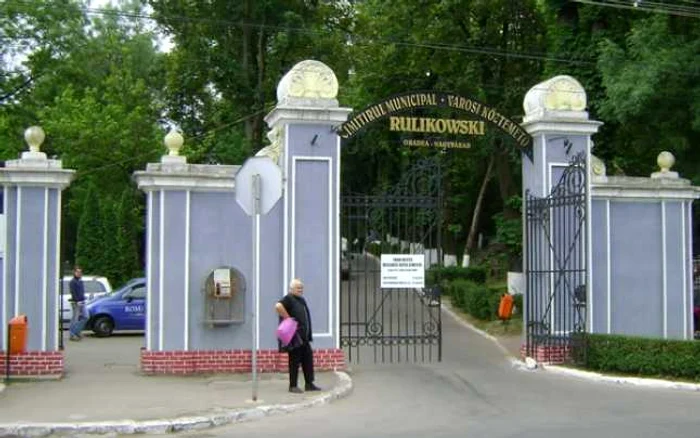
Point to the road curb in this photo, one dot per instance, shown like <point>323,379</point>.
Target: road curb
<point>634,381</point>
<point>179,424</point>
<point>588,375</point>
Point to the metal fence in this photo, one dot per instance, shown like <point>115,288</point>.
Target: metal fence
<point>556,268</point>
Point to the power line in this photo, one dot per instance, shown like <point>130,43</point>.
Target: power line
<point>488,51</point>
<point>648,6</point>
<point>149,153</point>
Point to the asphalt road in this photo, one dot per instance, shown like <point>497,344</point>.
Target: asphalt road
<point>476,392</point>
<point>399,314</point>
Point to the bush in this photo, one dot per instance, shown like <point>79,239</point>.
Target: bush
<point>448,274</point>
<point>518,304</point>
<point>642,356</point>
<point>475,299</point>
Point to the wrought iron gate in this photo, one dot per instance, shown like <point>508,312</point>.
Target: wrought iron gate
<point>388,324</point>
<point>556,255</point>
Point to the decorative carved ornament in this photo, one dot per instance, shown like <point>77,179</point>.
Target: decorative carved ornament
<point>597,166</point>
<point>274,149</point>
<point>308,80</point>
<point>561,93</point>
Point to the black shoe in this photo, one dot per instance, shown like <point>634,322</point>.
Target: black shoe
<point>312,387</point>
<point>295,390</point>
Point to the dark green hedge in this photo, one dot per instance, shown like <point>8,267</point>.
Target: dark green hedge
<point>518,304</point>
<point>448,274</point>
<point>476,299</point>
<point>642,356</point>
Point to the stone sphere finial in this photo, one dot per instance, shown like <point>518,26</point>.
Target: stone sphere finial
<point>34,136</point>
<point>665,160</point>
<point>173,141</point>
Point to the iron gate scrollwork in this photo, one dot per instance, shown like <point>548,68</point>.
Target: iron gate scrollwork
<point>391,324</point>
<point>556,267</point>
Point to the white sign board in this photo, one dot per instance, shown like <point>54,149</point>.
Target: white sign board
<point>403,271</point>
<point>516,283</point>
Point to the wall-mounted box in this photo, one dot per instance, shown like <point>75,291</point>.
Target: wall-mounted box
<point>224,295</point>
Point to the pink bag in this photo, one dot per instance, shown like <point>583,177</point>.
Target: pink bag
<point>286,330</point>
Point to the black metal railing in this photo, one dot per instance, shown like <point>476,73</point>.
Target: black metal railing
<point>556,268</point>
<point>392,324</point>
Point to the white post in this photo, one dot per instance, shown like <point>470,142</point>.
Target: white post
<point>256,280</point>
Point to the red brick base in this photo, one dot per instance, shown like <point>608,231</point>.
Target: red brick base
<point>35,364</point>
<point>549,354</point>
<point>231,361</point>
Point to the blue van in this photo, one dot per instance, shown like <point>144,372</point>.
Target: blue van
<point>123,309</point>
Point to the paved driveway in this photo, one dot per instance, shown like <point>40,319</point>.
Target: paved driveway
<point>475,392</point>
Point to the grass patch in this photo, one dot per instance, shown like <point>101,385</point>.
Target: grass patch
<point>495,328</point>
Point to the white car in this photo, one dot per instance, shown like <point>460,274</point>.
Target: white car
<point>95,287</point>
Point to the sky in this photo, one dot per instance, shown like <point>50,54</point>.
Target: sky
<point>164,42</point>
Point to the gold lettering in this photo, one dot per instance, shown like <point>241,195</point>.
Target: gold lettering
<point>436,125</point>
<point>372,113</point>
<point>427,99</point>
<point>453,126</point>
<point>362,117</point>
<point>440,126</point>
<point>464,126</point>
<point>419,125</point>
<point>464,104</point>
<point>413,127</point>
<point>394,123</point>
<point>369,114</point>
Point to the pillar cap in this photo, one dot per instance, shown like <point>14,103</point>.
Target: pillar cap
<point>308,82</point>
<point>561,97</point>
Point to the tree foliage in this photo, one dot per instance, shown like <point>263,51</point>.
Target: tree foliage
<point>229,57</point>
<point>103,92</point>
<point>95,86</point>
<point>479,48</point>
<point>89,249</point>
<point>659,53</point>
<point>128,230</point>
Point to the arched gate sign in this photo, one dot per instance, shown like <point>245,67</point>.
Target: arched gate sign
<point>445,129</point>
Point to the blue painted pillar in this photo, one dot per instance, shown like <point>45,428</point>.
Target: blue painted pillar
<point>32,188</point>
<point>556,118</point>
<point>307,148</point>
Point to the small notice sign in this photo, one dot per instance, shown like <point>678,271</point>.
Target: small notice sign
<point>403,271</point>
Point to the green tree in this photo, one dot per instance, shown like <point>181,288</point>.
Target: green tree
<point>228,58</point>
<point>652,84</point>
<point>491,50</point>
<point>128,225</point>
<point>90,248</point>
<point>96,89</point>
<point>109,266</point>
<point>576,31</point>
<point>35,38</point>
